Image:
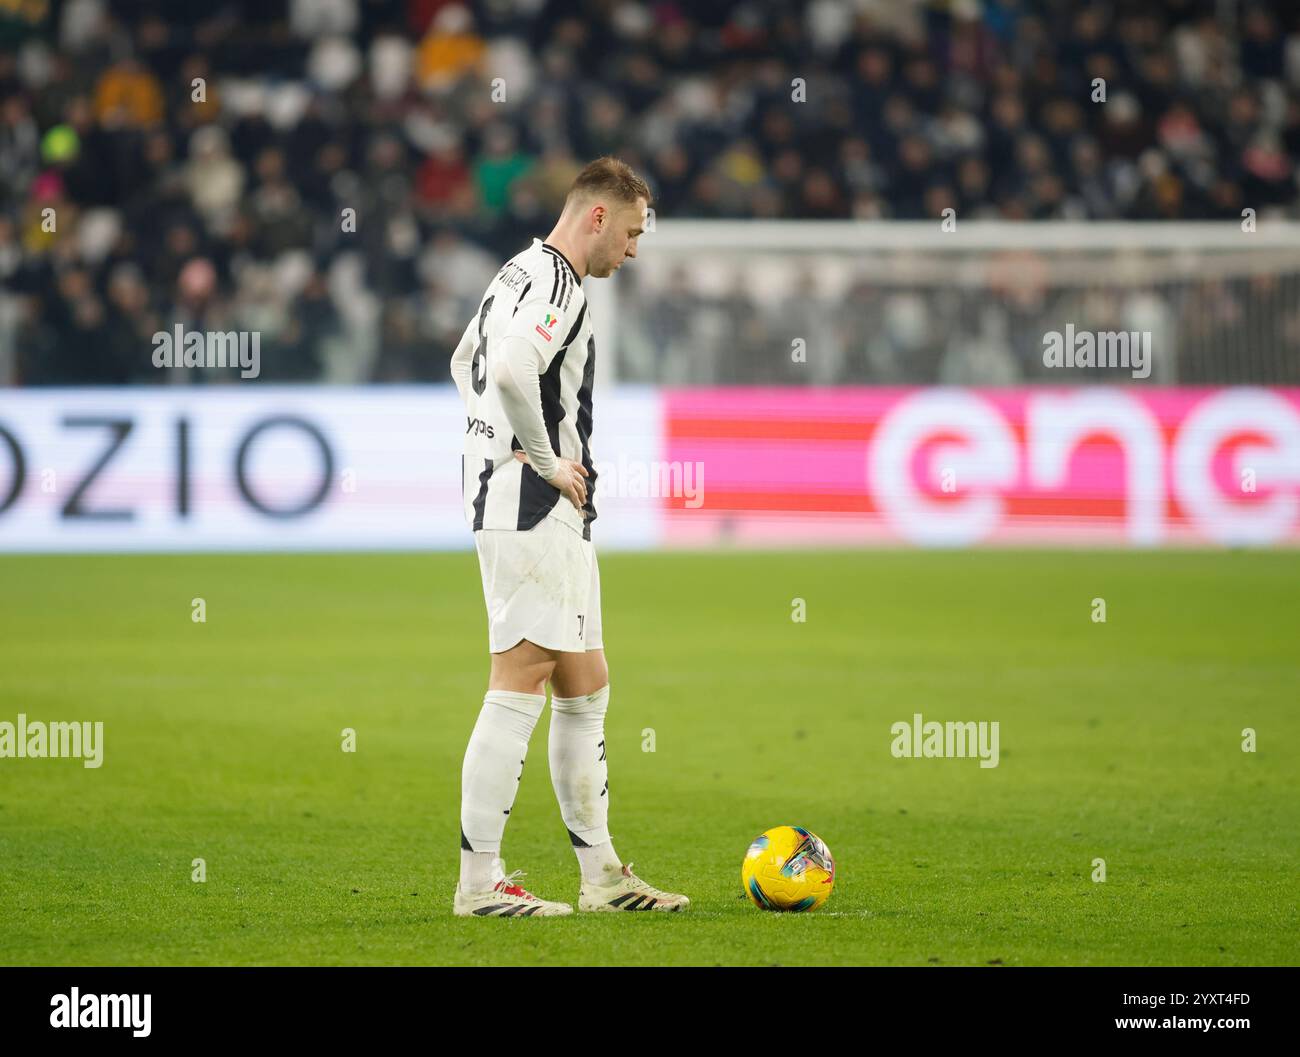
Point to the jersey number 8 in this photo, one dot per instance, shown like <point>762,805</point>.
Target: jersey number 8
<point>478,365</point>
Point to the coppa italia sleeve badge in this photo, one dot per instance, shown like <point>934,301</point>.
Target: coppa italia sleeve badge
<point>544,328</point>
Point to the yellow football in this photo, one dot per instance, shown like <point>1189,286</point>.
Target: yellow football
<point>788,868</point>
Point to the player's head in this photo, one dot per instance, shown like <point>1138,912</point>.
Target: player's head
<point>605,212</point>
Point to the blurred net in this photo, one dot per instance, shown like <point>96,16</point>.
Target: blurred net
<point>717,303</point>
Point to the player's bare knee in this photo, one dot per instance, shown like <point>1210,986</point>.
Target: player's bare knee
<point>525,668</point>
<point>579,674</point>
<point>524,681</point>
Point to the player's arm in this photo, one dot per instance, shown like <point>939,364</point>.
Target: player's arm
<point>535,334</point>
<point>517,372</point>
<point>517,369</point>
<point>462,358</point>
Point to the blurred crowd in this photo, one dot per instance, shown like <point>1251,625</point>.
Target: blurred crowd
<point>345,176</point>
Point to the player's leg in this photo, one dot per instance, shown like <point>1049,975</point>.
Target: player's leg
<point>494,758</point>
<point>579,700</point>
<point>498,745</point>
<point>579,771</point>
<point>579,774</point>
<point>494,761</point>
<point>525,668</point>
<point>574,674</point>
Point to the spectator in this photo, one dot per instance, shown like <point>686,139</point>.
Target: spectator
<point>347,167</point>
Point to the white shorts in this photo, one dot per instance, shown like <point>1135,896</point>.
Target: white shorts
<point>542,585</point>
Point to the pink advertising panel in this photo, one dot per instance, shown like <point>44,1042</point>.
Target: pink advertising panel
<point>958,467</point>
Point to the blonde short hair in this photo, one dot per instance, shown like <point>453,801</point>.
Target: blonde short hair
<point>610,177</point>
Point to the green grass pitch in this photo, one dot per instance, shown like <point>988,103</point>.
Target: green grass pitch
<point>1119,740</point>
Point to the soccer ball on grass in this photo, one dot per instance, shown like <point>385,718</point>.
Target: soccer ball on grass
<point>788,868</point>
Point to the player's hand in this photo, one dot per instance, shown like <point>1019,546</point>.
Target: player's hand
<point>568,479</point>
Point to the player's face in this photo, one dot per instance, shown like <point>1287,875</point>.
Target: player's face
<point>617,241</point>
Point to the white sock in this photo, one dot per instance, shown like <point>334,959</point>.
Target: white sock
<point>599,864</point>
<point>489,780</point>
<point>476,870</point>
<point>580,775</point>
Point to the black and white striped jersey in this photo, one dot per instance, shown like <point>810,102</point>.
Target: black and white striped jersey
<point>536,296</point>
